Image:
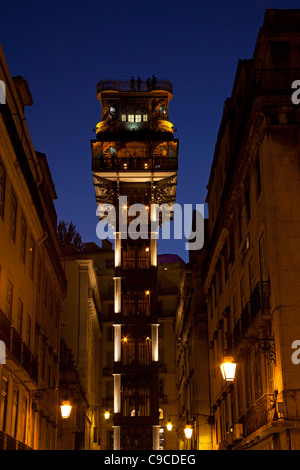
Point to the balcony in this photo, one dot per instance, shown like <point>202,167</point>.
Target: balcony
<point>134,164</point>
<point>259,414</point>
<point>121,85</point>
<point>254,316</point>
<point>16,349</point>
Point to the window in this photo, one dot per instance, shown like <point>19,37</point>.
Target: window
<point>257,375</point>
<point>130,117</point>
<point>138,118</point>
<point>123,117</point>
<point>262,259</point>
<point>28,330</point>
<point>145,117</point>
<point>3,403</point>
<point>2,191</point>
<point>251,274</point>
<point>19,317</point>
<point>161,438</point>
<point>23,239</point>
<point>13,217</point>
<point>9,299</point>
<point>15,407</point>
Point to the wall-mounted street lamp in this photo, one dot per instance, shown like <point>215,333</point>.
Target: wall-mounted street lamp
<point>65,409</point>
<point>169,423</point>
<point>228,368</point>
<point>188,431</point>
<point>106,415</point>
<point>65,406</point>
<point>266,345</point>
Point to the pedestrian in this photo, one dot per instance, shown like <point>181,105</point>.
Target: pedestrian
<point>153,82</point>
<point>132,84</point>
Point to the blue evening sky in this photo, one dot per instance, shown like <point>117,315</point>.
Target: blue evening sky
<point>63,48</point>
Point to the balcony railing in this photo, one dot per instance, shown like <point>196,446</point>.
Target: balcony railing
<point>18,349</point>
<point>259,414</point>
<point>135,164</point>
<point>128,85</point>
<point>254,315</point>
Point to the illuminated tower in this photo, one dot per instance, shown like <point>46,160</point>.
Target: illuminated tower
<point>134,161</point>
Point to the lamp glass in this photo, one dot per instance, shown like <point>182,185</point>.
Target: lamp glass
<point>65,409</point>
<point>106,414</point>
<point>188,431</point>
<point>169,426</point>
<point>228,369</point>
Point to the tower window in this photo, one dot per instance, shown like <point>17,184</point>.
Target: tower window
<point>130,117</point>
<point>138,118</point>
<point>123,117</point>
<point>145,117</point>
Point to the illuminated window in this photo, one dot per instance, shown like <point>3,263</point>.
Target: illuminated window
<point>145,117</point>
<point>130,117</point>
<point>138,118</point>
<point>161,413</point>
<point>123,117</point>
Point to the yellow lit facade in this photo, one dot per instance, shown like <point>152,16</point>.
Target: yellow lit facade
<point>251,273</point>
<point>32,282</point>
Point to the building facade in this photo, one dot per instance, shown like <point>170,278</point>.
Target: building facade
<point>80,358</point>
<point>252,269</point>
<point>32,282</point>
<point>135,162</point>
<point>192,363</point>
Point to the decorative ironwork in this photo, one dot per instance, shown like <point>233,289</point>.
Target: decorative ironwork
<point>134,86</point>
<point>139,164</point>
<point>259,414</point>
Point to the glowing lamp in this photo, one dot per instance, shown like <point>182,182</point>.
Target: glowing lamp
<point>107,415</point>
<point>188,431</point>
<point>66,409</point>
<point>169,426</point>
<point>228,369</point>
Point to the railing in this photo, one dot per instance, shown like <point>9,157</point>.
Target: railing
<point>259,414</point>
<point>134,85</point>
<point>17,347</point>
<point>255,312</point>
<point>134,164</point>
